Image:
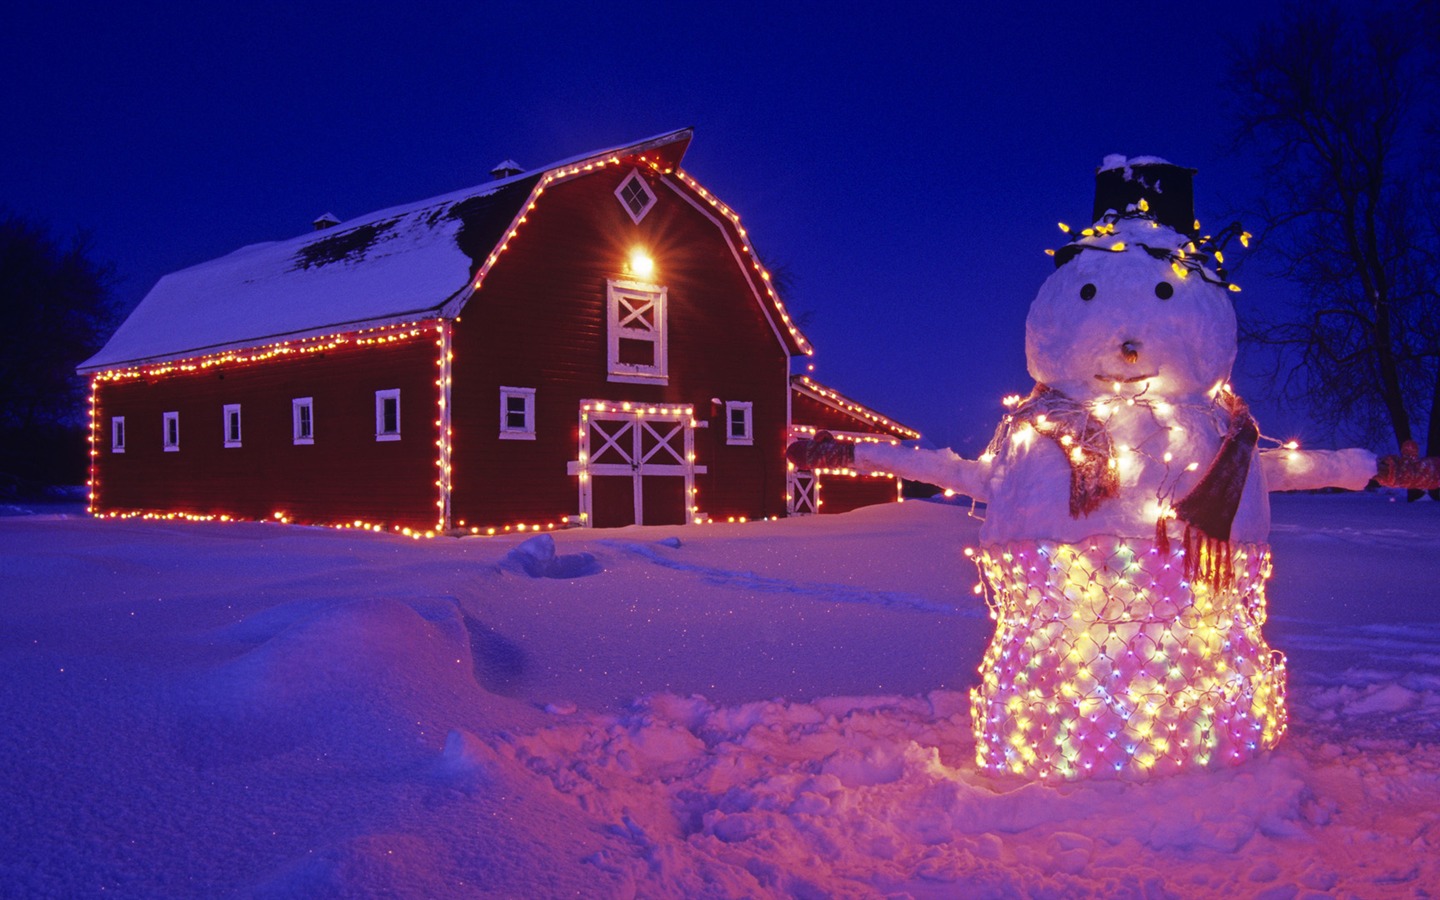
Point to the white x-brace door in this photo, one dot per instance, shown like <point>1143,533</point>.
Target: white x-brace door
<point>804,493</point>
<point>636,467</point>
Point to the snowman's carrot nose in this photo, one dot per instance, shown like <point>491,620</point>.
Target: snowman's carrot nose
<point>1130,350</point>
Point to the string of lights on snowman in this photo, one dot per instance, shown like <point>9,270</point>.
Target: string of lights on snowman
<point>1127,659</point>
<point>1090,446</point>
<point>1121,649</point>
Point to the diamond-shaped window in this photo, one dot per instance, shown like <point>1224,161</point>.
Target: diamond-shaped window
<point>635,195</point>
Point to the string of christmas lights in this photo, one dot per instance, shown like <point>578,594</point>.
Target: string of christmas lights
<point>1187,258</point>
<point>1106,661</point>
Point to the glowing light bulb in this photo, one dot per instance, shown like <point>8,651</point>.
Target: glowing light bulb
<point>641,264</point>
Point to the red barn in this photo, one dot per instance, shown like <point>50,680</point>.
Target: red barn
<point>591,343</point>
<point>815,407</point>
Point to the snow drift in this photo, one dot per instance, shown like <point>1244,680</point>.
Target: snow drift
<point>774,709</point>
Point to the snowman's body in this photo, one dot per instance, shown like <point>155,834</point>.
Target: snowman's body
<point>1111,654</point>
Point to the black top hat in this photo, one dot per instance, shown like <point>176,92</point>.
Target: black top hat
<point>1168,189</point>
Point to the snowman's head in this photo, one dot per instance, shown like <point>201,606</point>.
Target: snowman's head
<point>1132,309</point>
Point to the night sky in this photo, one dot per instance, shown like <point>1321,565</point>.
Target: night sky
<point>906,164</point>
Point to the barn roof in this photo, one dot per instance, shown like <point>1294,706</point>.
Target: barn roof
<point>806,386</point>
<point>405,263</point>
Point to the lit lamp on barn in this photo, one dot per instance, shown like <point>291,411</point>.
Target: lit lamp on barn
<point>640,264</point>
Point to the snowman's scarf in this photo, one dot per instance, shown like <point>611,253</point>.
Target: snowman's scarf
<point>1094,472</point>
<point>1208,510</point>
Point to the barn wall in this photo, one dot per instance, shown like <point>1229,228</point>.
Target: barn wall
<point>539,321</point>
<point>842,493</point>
<point>345,475</point>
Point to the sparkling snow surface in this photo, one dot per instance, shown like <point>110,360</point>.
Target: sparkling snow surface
<point>775,709</point>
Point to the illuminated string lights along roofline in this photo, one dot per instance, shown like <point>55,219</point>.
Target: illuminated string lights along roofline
<point>565,173</point>
<point>262,344</point>
<point>553,176</point>
<point>845,404</point>
<point>378,335</point>
<point>749,250</point>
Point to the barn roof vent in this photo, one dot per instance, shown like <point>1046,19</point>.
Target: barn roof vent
<point>506,169</point>
<point>324,221</point>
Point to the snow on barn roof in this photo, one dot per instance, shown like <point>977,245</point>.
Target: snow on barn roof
<point>400,264</point>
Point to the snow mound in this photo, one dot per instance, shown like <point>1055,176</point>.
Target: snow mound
<point>656,553</point>
<point>538,559</point>
<point>880,795</point>
<point>342,677</point>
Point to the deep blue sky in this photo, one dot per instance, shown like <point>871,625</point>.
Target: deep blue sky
<point>907,163</point>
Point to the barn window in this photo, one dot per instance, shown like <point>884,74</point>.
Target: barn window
<point>117,434</point>
<point>635,195</point>
<point>302,418</point>
<point>517,413</point>
<point>387,415</point>
<point>739,422</point>
<point>232,424</point>
<point>172,431</point>
<point>636,332</point>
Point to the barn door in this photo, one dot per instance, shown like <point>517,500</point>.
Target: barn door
<point>804,493</point>
<point>635,467</point>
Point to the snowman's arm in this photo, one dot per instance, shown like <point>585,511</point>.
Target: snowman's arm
<point>942,468</point>
<point>1306,470</point>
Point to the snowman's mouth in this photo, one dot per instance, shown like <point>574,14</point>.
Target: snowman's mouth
<point>1115,379</point>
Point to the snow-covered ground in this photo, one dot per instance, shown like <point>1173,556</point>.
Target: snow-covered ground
<point>773,709</point>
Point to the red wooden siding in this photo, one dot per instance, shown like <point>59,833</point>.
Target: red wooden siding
<point>842,493</point>
<point>344,476</point>
<point>539,321</point>
<point>806,410</point>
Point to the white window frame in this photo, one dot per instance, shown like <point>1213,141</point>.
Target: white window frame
<point>170,422</point>
<point>509,432</point>
<point>117,434</point>
<point>232,418</point>
<point>307,404</point>
<point>651,200</point>
<point>625,301</point>
<point>380,397</point>
<point>747,411</point>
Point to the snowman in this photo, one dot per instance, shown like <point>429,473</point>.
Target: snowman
<point>1124,548</point>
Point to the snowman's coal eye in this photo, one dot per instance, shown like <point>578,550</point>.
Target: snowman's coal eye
<point>1164,290</point>
<point>1087,292</point>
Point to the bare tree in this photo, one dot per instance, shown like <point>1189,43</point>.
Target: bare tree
<point>1338,104</point>
<point>57,310</point>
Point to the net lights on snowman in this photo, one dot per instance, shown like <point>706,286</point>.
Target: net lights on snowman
<point>1127,649</point>
<point>1124,551</point>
